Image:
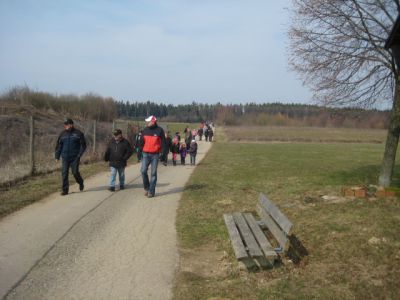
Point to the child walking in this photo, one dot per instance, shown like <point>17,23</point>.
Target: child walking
<point>182,151</point>
<point>174,149</point>
<point>193,152</point>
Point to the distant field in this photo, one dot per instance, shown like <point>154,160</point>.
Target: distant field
<point>353,244</point>
<point>304,134</point>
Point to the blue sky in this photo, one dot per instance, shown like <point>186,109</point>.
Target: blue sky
<point>170,51</point>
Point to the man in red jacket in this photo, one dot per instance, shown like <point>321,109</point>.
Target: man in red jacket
<point>154,149</point>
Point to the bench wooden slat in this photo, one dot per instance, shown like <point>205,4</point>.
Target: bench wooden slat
<point>276,214</point>
<point>244,229</point>
<point>274,228</point>
<point>262,240</point>
<point>236,240</point>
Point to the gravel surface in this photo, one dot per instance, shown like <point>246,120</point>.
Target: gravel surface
<point>96,244</point>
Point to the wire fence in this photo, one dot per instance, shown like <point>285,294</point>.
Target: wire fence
<point>27,143</point>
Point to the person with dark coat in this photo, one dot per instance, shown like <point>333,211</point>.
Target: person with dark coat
<point>174,149</point>
<point>182,152</point>
<point>210,134</point>
<point>137,146</point>
<point>206,133</point>
<point>71,145</point>
<point>154,149</point>
<point>117,154</point>
<point>200,133</point>
<point>168,142</point>
<point>193,152</point>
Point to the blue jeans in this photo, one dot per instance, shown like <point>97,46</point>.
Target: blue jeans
<point>147,160</point>
<point>121,175</point>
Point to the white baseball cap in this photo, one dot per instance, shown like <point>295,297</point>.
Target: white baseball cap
<point>151,119</point>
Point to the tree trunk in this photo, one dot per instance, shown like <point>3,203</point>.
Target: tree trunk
<point>392,139</point>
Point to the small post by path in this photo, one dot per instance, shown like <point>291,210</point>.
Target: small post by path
<point>94,136</point>
<point>32,145</point>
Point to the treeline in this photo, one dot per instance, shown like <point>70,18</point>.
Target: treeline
<point>194,112</point>
<point>91,106</point>
<point>88,106</point>
<point>278,114</point>
<point>270,114</point>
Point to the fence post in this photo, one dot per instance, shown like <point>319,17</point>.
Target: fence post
<point>94,136</point>
<point>113,126</point>
<point>32,146</point>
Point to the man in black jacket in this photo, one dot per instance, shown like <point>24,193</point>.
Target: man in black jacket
<point>70,146</point>
<point>118,152</point>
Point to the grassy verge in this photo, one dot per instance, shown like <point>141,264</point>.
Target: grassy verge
<point>353,245</point>
<point>305,134</point>
<point>38,187</point>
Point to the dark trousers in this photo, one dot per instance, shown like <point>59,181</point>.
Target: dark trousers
<point>74,164</point>
<point>192,159</point>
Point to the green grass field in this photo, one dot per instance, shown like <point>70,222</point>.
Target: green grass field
<point>304,134</point>
<point>353,244</point>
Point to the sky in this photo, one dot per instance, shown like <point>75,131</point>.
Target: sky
<point>170,51</point>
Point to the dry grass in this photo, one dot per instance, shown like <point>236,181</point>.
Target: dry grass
<point>353,245</point>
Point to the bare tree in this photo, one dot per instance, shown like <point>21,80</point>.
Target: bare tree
<point>337,47</point>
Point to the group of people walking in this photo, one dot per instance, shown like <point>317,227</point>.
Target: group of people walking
<point>206,130</point>
<point>152,145</point>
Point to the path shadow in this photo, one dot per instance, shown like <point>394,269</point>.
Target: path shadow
<point>195,187</point>
<point>171,191</point>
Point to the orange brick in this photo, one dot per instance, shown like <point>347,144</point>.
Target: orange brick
<point>380,193</point>
<point>360,193</point>
<point>349,193</point>
<point>390,193</point>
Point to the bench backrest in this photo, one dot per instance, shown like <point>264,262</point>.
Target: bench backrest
<point>279,225</point>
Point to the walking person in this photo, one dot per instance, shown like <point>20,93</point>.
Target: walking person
<point>137,146</point>
<point>182,152</point>
<point>71,145</point>
<point>200,133</point>
<point>210,134</point>
<point>154,149</point>
<point>168,143</point>
<point>117,154</point>
<point>206,133</point>
<point>174,149</point>
<point>193,152</point>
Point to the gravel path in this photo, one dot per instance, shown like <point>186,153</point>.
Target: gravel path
<point>96,244</point>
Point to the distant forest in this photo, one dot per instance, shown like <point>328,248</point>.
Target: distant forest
<point>91,106</point>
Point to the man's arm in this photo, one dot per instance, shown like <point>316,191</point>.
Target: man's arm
<point>129,151</point>
<point>83,144</point>
<point>58,149</point>
<point>164,149</point>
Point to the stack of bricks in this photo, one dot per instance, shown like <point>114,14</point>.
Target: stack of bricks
<point>382,192</point>
<point>361,192</point>
<point>355,191</point>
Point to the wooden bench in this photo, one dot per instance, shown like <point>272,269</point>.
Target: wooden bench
<point>259,243</point>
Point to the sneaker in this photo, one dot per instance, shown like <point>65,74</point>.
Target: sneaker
<point>111,189</point>
<point>81,187</point>
<point>64,193</point>
<point>146,193</point>
<point>121,187</point>
<point>150,195</point>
